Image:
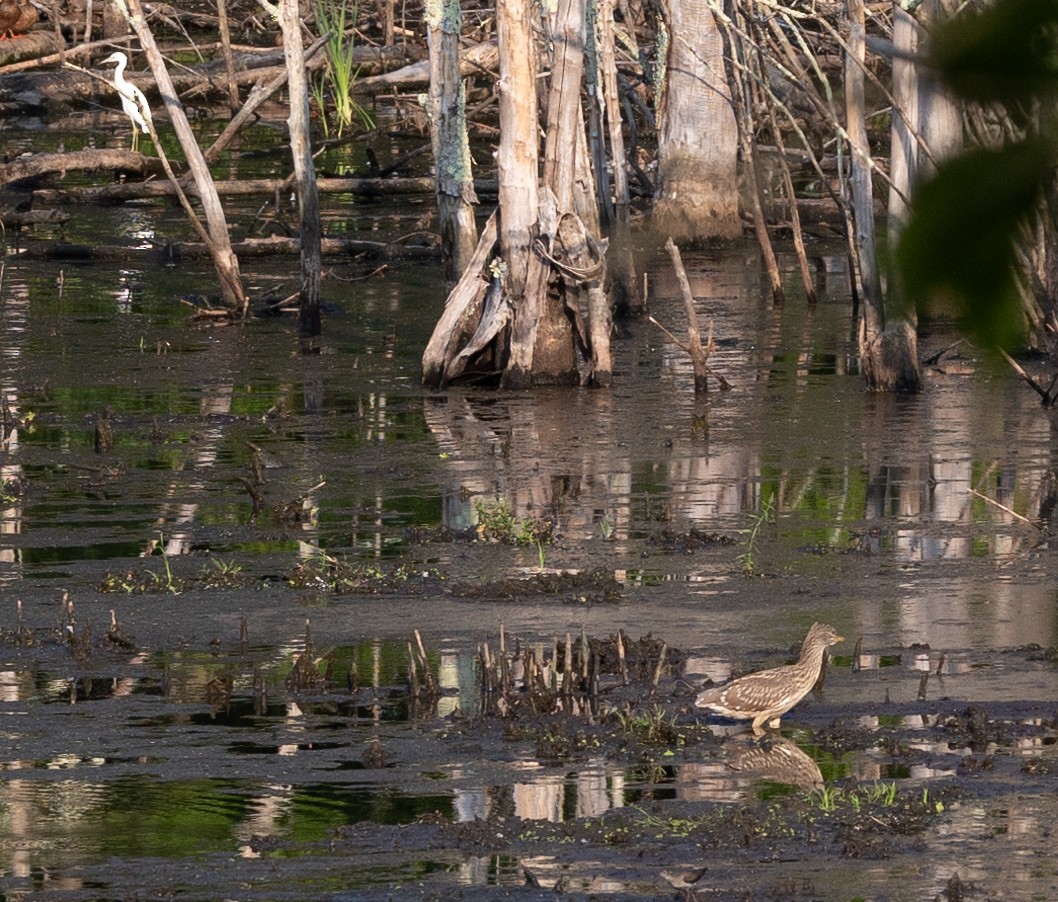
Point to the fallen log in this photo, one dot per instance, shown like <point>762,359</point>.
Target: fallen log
<point>365,187</point>
<point>483,57</point>
<point>251,247</point>
<point>39,164</point>
<point>49,87</point>
<point>18,219</point>
<point>28,46</point>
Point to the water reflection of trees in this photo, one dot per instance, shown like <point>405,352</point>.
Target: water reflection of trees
<point>945,475</point>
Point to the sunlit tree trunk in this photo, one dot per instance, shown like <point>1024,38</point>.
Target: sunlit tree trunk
<point>888,350</point>
<point>304,171</point>
<point>927,120</point>
<point>697,193</point>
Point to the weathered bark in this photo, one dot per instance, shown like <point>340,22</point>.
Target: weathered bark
<point>304,171</point>
<point>625,288</point>
<point>72,161</point>
<point>232,187</point>
<point>28,47</point>
<point>229,61</point>
<point>224,259</point>
<point>451,147</point>
<point>888,352</point>
<point>564,120</point>
<point>565,175</point>
<point>462,316</point>
<point>251,247</point>
<point>62,86</point>
<point>531,304</point>
<point>694,338</point>
<point>697,193</point>
<point>518,190</point>
<point>472,61</point>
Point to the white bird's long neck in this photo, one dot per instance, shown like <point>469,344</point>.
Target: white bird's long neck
<point>119,69</point>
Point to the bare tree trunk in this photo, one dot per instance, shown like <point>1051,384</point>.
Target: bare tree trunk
<point>697,193</point>
<point>627,296</point>
<point>451,148</point>
<point>543,316</point>
<point>304,170</point>
<point>518,177</point>
<point>927,119</point>
<point>903,154</point>
<point>224,259</point>
<point>888,352</point>
<point>229,63</point>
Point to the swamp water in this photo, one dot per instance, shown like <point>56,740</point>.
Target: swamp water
<point>189,760</point>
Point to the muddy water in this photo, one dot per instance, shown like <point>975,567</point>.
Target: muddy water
<point>187,760</point>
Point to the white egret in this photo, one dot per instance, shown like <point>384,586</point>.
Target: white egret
<point>132,100</point>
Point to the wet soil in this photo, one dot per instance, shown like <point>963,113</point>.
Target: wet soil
<point>257,720</point>
<point>198,756</point>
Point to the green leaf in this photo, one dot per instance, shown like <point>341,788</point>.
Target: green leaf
<point>1007,52</point>
<point>959,245</point>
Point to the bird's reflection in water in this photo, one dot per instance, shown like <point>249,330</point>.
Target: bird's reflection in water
<point>775,759</point>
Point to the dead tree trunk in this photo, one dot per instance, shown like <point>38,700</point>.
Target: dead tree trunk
<point>451,148</point>
<point>224,259</point>
<point>541,312</point>
<point>697,193</point>
<point>927,120</point>
<point>888,351</point>
<point>304,171</point>
<point>627,296</point>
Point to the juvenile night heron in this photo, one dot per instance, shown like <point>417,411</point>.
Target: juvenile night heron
<point>132,100</point>
<point>767,695</point>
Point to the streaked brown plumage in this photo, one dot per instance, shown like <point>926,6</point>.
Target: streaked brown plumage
<point>685,879</point>
<point>767,695</point>
<point>16,17</point>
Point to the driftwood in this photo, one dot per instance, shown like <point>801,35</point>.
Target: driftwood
<point>484,57</point>
<point>694,339</point>
<point>28,46</point>
<point>15,219</point>
<point>72,161</point>
<point>214,230</point>
<point>463,309</point>
<point>244,187</point>
<point>61,86</point>
<point>252,247</point>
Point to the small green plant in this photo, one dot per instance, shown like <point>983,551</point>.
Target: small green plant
<point>827,798</point>
<point>8,491</point>
<point>748,558</point>
<point>339,74</point>
<point>881,794</point>
<point>496,523</point>
<point>655,727</point>
<point>167,582</point>
<point>318,90</point>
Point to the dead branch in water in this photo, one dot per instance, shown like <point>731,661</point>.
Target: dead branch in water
<point>1047,396</point>
<point>694,339</point>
